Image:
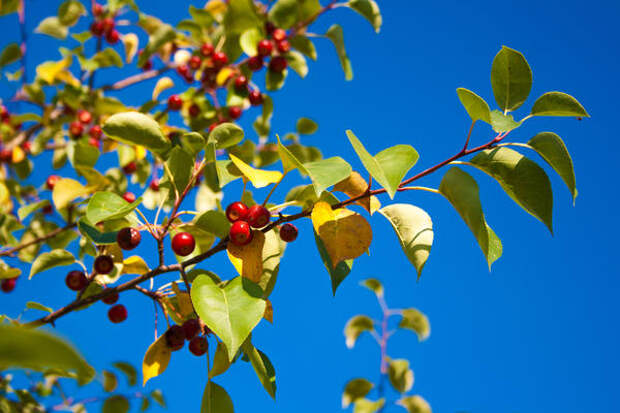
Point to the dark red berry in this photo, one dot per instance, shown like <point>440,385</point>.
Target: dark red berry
<point>269,27</point>
<point>76,280</point>
<point>110,298</point>
<point>175,102</point>
<point>4,112</point>
<point>258,216</point>
<point>129,197</point>
<point>198,346</point>
<point>283,46</point>
<point>264,47</point>
<point>183,244</point>
<point>117,313</point>
<point>6,155</point>
<point>8,284</point>
<point>85,117</point>
<point>241,84</point>
<point>234,112</point>
<point>236,211</point>
<point>97,9</point>
<point>206,49</point>
<point>277,64</point>
<point>191,328</point>
<point>108,24</point>
<point>96,28</point>
<point>104,264</point>
<point>148,65</point>
<point>288,232</point>
<point>175,337</point>
<point>154,185</point>
<point>194,110</point>
<point>95,132</point>
<point>220,59</point>
<point>255,63</point>
<point>76,129</point>
<point>195,62</point>
<point>240,233</point>
<point>27,146</point>
<point>183,70</point>
<point>278,35</point>
<point>128,238</point>
<point>112,37</point>
<point>51,181</point>
<point>256,98</point>
<point>48,209</point>
<point>130,168</point>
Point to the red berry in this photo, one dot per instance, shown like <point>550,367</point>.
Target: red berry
<point>183,70</point>
<point>206,50</point>
<point>278,35</point>
<point>51,181</point>
<point>93,142</point>
<point>76,129</point>
<point>85,117</point>
<point>283,46</point>
<point>212,126</point>
<point>255,63</point>
<point>240,233</point>
<point>128,238</point>
<point>110,298</point>
<point>195,62</point>
<point>236,211</point>
<point>97,29</point>
<point>269,27</point>
<point>258,216</point>
<point>95,132</point>
<point>8,284</point>
<point>264,47</point>
<point>108,24</point>
<point>6,155</point>
<point>154,185</point>
<point>234,112</point>
<point>194,110</point>
<point>175,102</point>
<point>288,232</point>
<point>198,346</point>
<point>112,37</point>
<point>97,9</point>
<point>4,113</point>
<point>104,264</point>
<point>118,313</point>
<point>220,59</point>
<point>277,64</point>
<point>241,84</point>
<point>148,65</point>
<point>129,197</point>
<point>183,244</point>
<point>191,328</point>
<point>256,98</point>
<point>130,168</point>
<point>175,337</point>
<point>76,280</point>
<point>48,209</point>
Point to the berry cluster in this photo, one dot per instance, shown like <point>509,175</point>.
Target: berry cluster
<point>6,154</point>
<point>84,120</point>
<point>104,25</point>
<point>176,335</point>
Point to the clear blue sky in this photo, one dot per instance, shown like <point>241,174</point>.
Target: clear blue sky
<point>538,334</point>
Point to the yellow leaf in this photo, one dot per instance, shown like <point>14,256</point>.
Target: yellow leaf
<point>135,265</point>
<point>18,154</point>
<point>140,153</point>
<point>48,71</point>
<point>268,312</point>
<point>215,7</point>
<point>131,42</point>
<point>259,177</point>
<point>185,302</point>
<point>162,84</point>
<point>248,259</point>
<point>345,234</point>
<point>156,359</point>
<point>66,190</point>
<point>223,75</point>
<point>354,186</point>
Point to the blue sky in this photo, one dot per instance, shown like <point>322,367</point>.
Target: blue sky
<point>538,334</point>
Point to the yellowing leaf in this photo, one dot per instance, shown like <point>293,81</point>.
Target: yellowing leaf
<point>355,186</point>
<point>135,265</point>
<point>66,190</point>
<point>248,259</point>
<point>18,154</point>
<point>215,7</point>
<point>223,75</point>
<point>268,312</point>
<point>156,359</point>
<point>184,301</point>
<point>140,152</point>
<point>162,84</point>
<point>130,40</point>
<point>259,177</point>
<point>48,71</point>
<point>345,234</point>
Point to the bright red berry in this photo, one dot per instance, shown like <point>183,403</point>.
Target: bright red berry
<point>194,110</point>
<point>93,142</point>
<point>234,112</point>
<point>128,238</point>
<point>206,49</point>
<point>183,244</point>
<point>76,280</point>
<point>240,233</point>
<point>95,132</point>
<point>288,232</point>
<point>76,129</point>
<point>117,313</point>
<point>97,9</point>
<point>198,346</point>
<point>236,211</point>
<point>108,24</point>
<point>154,185</point>
<point>104,264</point>
<point>85,117</point>
<point>283,46</point>
<point>175,102</point>
<point>110,298</point>
<point>255,63</point>
<point>191,328</point>
<point>175,337</point>
<point>8,284</point>
<point>97,29</point>
<point>277,64</point>
<point>183,70</point>
<point>241,84</point>
<point>278,35</point>
<point>195,62</point>
<point>220,59</point>
<point>51,181</point>
<point>112,36</point>
<point>264,47</point>
<point>256,98</point>
<point>258,216</point>
<point>130,168</point>
<point>129,197</point>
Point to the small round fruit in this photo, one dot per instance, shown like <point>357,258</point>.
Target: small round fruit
<point>97,9</point>
<point>269,27</point>
<point>278,35</point>
<point>154,185</point>
<point>110,298</point>
<point>96,28</point>
<point>27,146</point>
<point>130,168</point>
<point>277,64</point>
<point>95,132</point>
<point>148,65</point>
<point>241,84</point>
<point>108,24</point>
<point>129,197</point>
<point>117,313</point>
<point>8,284</point>
<point>76,280</point>
<point>234,112</point>
<point>256,98</point>
<point>283,46</point>
<point>255,63</point>
<point>198,346</point>
<point>128,238</point>
<point>288,232</point>
<point>258,216</point>
<point>220,59</point>
<point>240,233</point>
<point>76,129</point>
<point>191,328</point>
<point>51,181</point>
<point>48,209</point>
<point>194,110</point>
<point>175,102</point>
<point>206,49</point>
<point>264,48</point>
<point>236,211</point>
<point>112,36</point>
<point>183,70</point>
<point>183,244</point>
<point>6,155</point>
<point>195,62</point>
<point>104,264</point>
<point>175,337</point>
<point>85,117</point>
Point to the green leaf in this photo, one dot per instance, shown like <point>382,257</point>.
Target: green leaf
<point>262,366</point>
<point>92,233</point>
<point>115,404</point>
<point>82,154</point>
<point>415,404</point>
<point>356,326</point>
<point>389,166</point>
<point>373,285</point>
<point>220,361</point>
<point>511,79</point>
<point>400,375</point>
<point>40,351</point>
<point>108,57</point>
<point>216,400</point>
<point>37,306</point>
<point>355,389</point>
<point>226,135</point>
<point>335,34</point>
<point>11,53</point>
<point>370,10</point>
<point>476,107</point>
<point>522,179</point>
<point>249,39</point>
<point>285,13</point>
<point>110,382</point>
<point>414,229</point>
<point>306,126</point>
<point>327,172</point>
<point>368,406</point>
<point>8,6</point>
<point>558,104</point>
<point>159,398</point>
<point>47,260</point>
<point>416,321</point>
<point>162,35</point>
<point>231,312</point>
<point>201,16</point>
<point>8,272</point>
<point>181,166</point>
<point>273,250</point>
<point>552,149</point>
<point>297,62</point>
<point>304,45</point>
<point>214,222</point>
<point>136,128</point>
<point>275,80</point>
<point>70,11</point>
<point>129,371</point>
<point>24,211</point>
<point>52,26</point>
<point>240,16</point>
<point>105,206</point>
<point>503,123</point>
<point>462,192</point>
<point>338,274</point>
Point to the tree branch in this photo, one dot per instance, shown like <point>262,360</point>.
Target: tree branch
<point>42,238</point>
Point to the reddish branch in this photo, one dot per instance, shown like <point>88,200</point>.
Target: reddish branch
<point>51,234</point>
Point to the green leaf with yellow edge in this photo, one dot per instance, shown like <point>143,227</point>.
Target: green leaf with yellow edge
<point>336,35</point>
<point>558,104</point>
<point>8,272</point>
<point>231,311</point>
<point>462,191</point>
<point>52,26</point>
<point>521,178</point>
<point>66,191</point>
<point>135,128</point>
<point>262,366</point>
<point>368,406</point>
<point>389,166</point>
<point>511,79</point>
<point>415,321</point>
<point>370,10</point>
<point>345,234</point>
<point>110,382</point>
<point>259,177</point>
<point>156,359</point>
<point>400,375</point>
<point>355,389</point>
<point>476,107</point>
<point>356,326</point>
<point>414,229</point>
<point>134,265</point>
<point>48,260</point>
<point>216,400</point>
<point>415,404</point>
